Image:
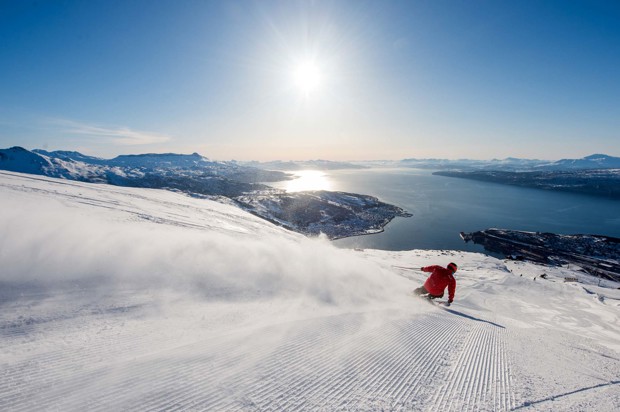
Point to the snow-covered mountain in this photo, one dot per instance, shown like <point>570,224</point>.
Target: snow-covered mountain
<point>132,170</point>
<point>467,164</point>
<point>334,214</point>
<point>69,156</point>
<point>119,298</point>
<point>597,174</point>
<point>163,164</point>
<point>595,161</point>
<point>18,159</point>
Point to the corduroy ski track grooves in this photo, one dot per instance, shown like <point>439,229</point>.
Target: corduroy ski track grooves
<point>436,362</point>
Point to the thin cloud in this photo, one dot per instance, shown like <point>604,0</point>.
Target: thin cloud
<point>122,136</point>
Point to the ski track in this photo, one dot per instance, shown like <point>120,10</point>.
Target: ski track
<point>481,377</point>
<point>379,361</point>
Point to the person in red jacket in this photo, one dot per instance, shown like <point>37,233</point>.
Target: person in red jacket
<point>438,280</point>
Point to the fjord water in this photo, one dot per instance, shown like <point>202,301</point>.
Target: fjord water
<point>444,206</point>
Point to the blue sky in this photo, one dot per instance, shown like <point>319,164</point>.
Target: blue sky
<point>390,79</point>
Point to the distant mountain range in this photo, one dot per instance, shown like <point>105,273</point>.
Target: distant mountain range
<point>130,170</point>
<point>597,174</point>
<point>335,214</point>
<point>305,165</point>
<point>595,161</point>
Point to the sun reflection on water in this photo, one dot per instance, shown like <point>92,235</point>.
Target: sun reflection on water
<point>309,180</point>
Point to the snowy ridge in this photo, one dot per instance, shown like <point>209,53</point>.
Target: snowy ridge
<point>118,298</point>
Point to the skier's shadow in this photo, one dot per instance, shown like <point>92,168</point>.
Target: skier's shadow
<point>554,397</point>
<point>455,312</point>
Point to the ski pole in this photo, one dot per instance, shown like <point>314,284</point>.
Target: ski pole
<point>404,267</point>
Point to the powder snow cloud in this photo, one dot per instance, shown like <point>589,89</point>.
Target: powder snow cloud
<point>121,236</point>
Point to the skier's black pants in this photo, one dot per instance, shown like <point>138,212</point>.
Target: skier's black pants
<point>422,291</point>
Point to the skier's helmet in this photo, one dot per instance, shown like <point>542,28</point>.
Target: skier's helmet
<point>452,267</point>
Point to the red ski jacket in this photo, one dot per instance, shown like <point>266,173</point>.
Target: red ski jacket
<point>438,280</point>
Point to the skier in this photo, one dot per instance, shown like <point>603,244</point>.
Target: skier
<point>438,280</point>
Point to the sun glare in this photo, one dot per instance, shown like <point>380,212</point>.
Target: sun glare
<point>307,77</point>
<point>309,180</point>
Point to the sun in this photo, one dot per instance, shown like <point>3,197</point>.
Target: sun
<point>307,77</point>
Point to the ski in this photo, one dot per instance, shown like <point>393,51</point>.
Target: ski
<point>435,302</point>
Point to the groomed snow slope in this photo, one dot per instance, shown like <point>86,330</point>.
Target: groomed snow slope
<point>131,299</point>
